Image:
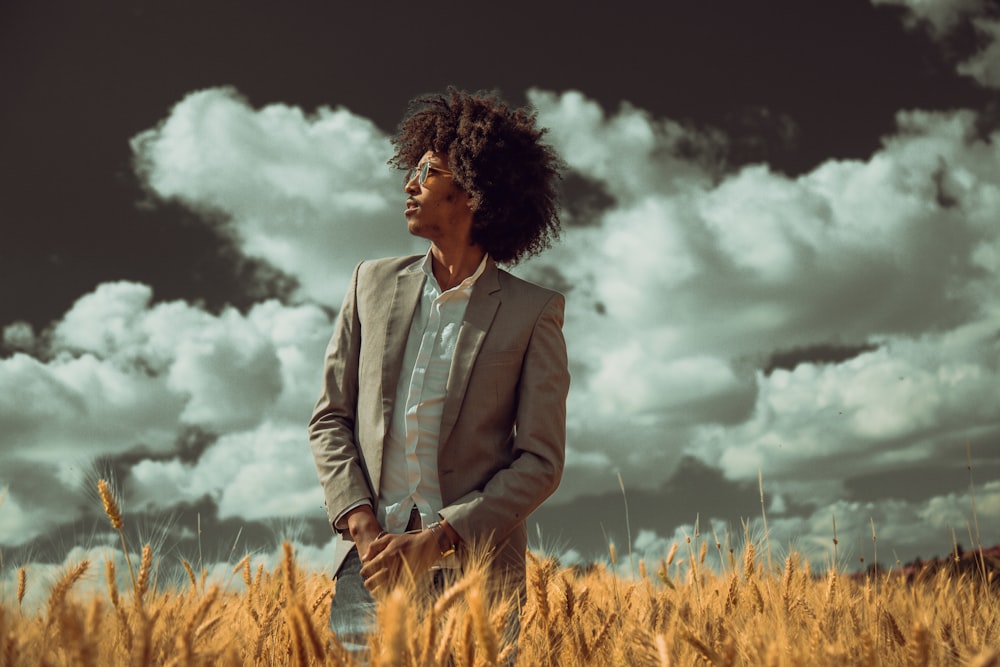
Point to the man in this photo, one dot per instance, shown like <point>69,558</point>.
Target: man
<point>441,423</point>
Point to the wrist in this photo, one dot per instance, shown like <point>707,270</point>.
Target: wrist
<point>361,521</point>
<point>443,539</point>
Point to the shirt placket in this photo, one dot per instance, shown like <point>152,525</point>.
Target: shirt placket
<point>415,419</point>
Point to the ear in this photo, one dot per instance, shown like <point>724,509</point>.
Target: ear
<point>472,203</point>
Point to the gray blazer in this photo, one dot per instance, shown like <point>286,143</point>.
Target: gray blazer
<point>503,428</point>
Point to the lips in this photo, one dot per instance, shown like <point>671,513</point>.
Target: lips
<point>411,206</point>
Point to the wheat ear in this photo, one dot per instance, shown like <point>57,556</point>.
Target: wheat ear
<point>61,589</point>
<point>145,568</point>
<point>22,584</point>
<point>115,516</point>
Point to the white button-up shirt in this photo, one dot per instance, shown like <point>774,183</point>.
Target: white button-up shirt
<point>410,458</point>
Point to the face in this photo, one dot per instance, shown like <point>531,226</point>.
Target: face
<point>437,210</point>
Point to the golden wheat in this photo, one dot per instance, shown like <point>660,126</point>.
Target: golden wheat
<point>114,513</point>
<point>110,504</point>
<point>145,567</point>
<point>591,618</point>
<point>571,617</point>
<point>190,573</point>
<point>22,584</point>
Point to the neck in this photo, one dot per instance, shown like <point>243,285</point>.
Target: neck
<point>452,266</point>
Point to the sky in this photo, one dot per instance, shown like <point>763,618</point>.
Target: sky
<point>780,250</point>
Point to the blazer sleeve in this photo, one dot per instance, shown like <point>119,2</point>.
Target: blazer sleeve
<point>332,426</point>
<point>539,442</point>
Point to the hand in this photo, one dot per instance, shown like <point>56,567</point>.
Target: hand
<point>393,554</point>
<point>364,528</point>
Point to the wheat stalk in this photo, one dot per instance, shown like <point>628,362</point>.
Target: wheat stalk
<point>393,622</point>
<point>603,634</point>
<point>264,631</point>
<point>324,594</point>
<point>109,570</point>
<point>189,634</point>
<point>61,589</point>
<point>763,516</point>
<point>142,644</point>
<point>484,630</point>
<point>749,562</point>
<point>445,643</point>
<point>918,653</point>
<point>190,574</point>
<point>110,505</point>
<point>115,516</point>
<point>246,572</point>
<point>308,632</point>
<point>92,626</point>
<point>288,568</point>
<point>145,567</point>
<point>468,655</point>
<point>453,593</point>
<point>430,632</point>
<point>786,583</point>
<point>662,651</point>
<point>733,593</point>
<point>22,584</point>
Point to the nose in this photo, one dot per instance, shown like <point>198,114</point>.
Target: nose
<point>411,186</point>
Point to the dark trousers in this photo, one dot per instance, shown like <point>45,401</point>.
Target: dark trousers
<point>352,610</point>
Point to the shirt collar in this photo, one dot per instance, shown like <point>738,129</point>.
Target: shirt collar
<point>428,267</point>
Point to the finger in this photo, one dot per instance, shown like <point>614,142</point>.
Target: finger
<point>377,546</point>
<point>374,582</point>
<point>376,561</point>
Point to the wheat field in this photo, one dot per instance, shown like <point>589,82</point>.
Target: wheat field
<point>683,613</point>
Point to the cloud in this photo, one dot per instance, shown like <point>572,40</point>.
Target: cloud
<point>704,274</point>
<point>19,336</point>
<point>984,66</point>
<point>310,194</point>
<point>903,531</point>
<point>79,406</point>
<point>691,280</point>
<point>18,523</point>
<point>123,375</point>
<point>685,281</point>
<point>944,19</point>
<point>906,402</point>
<point>632,152</point>
<point>253,475</point>
<point>940,16</point>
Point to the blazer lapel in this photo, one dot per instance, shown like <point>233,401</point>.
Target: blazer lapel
<point>479,316</point>
<point>409,285</point>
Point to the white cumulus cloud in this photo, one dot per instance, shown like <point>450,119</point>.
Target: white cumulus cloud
<point>690,282</point>
<point>122,374</point>
<point>309,193</point>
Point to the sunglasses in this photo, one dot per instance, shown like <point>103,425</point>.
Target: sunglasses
<point>423,171</point>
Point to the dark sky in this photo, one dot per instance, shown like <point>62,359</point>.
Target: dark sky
<point>791,82</point>
<point>788,86</point>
